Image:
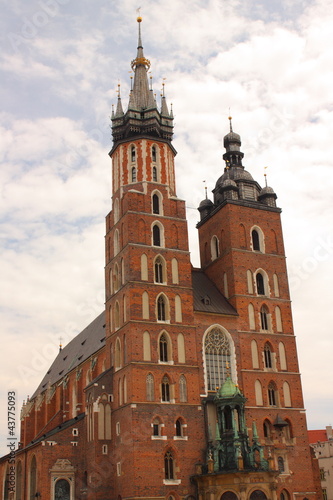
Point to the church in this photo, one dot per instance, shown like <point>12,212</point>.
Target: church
<point>187,385</point>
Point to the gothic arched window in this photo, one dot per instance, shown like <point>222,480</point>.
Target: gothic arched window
<point>217,357</point>
<point>179,428</point>
<point>260,284</point>
<point>133,153</point>
<point>155,174</point>
<point>168,465</point>
<point>153,153</point>
<point>156,204</point>
<point>268,356</point>
<point>159,270</point>
<point>165,389</point>
<point>255,240</point>
<point>272,394</point>
<point>162,309</point>
<point>133,174</point>
<point>163,346</point>
<point>156,235</point>
<point>280,464</point>
<point>264,318</point>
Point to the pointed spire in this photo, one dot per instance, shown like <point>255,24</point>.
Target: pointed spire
<point>119,109</point>
<point>140,66</point>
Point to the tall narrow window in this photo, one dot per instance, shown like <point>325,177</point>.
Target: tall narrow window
<point>214,247</point>
<point>146,347</point>
<point>217,357</point>
<point>133,174</point>
<point>168,466</point>
<point>154,174</point>
<point>144,267</point>
<point>179,428</point>
<point>116,316</point>
<point>165,389</point>
<point>156,236</point>
<point>133,155</point>
<point>268,356</point>
<point>150,387</point>
<point>158,268</point>
<point>264,318</point>
<point>163,345</point>
<point>174,270</point>
<point>161,308</point>
<point>260,284</point>
<point>156,204</point>
<point>272,394</point>
<point>255,240</point>
<point>267,429</point>
<point>153,153</point>
<point>182,389</point>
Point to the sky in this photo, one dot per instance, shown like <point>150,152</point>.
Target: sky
<point>267,63</point>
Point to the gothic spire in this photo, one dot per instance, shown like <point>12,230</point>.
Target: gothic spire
<point>140,66</point>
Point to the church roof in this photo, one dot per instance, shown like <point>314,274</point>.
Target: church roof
<point>317,435</point>
<point>84,345</point>
<point>206,297</point>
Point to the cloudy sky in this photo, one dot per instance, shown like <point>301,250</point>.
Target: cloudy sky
<point>269,61</point>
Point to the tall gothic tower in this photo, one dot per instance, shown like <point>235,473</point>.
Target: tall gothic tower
<point>149,305</point>
<point>187,386</point>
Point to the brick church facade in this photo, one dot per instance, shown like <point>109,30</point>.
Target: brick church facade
<point>187,386</point>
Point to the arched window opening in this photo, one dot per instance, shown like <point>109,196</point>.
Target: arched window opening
<point>156,204</point>
<point>133,154</point>
<point>144,267</point>
<point>133,174</point>
<point>214,247</point>
<point>120,392</point>
<point>163,345</point>
<point>280,464</point>
<point>150,387</point>
<point>264,318</point>
<point>159,270</point>
<point>284,495</point>
<point>258,495</point>
<point>217,357</point>
<point>179,428</point>
<point>227,414</point>
<point>168,466</point>
<point>161,308</point>
<point>156,236</point>
<point>62,490</point>
<point>155,174</point>
<point>229,495</point>
<point>255,240</point>
<point>182,389</point>
<point>165,389</point>
<point>254,352</point>
<point>272,394</point>
<point>268,356</point>
<point>153,153</point>
<point>260,284</point>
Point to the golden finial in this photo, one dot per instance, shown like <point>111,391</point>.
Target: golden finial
<point>230,118</point>
<point>60,343</point>
<point>139,18</point>
<point>265,175</point>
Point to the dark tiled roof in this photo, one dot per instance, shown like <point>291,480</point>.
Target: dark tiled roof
<point>206,297</point>
<point>86,343</point>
